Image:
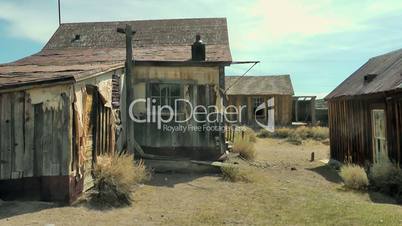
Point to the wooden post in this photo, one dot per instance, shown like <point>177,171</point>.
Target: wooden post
<point>296,109</point>
<point>312,157</point>
<point>129,83</point>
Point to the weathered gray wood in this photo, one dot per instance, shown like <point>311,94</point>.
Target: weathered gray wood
<point>28,138</point>
<point>38,137</point>
<point>57,150</point>
<point>6,161</point>
<point>18,133</point>
<point>47,141</point>
<point>65,136</point>
<point>1,139</point>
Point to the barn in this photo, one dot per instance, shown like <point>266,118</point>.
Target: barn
<point>365,112</point>
<point>72,101</point>
<point>252,91</point>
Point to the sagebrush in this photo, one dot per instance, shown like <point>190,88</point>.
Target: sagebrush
<point>115,176</point>
<point>246,133</point>
<point>238,174</point>
<point>354,177</point>
<point>386,177</point>
<point>245,148</point>
<point>297,135</point>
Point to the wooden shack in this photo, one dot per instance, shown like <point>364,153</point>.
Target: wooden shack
<point>56,116</point>
<point>252,91</point>
<point>365,112</point>
<point>69,103</point>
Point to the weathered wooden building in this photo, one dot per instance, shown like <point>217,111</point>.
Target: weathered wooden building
<point>252,91</point>
<point>60,107</point>
<point>365,112</point>
<point>56,116</point>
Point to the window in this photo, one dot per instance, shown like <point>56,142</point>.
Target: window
<point>257,101</point>
<point>379,134</point>
<point>165,93</point>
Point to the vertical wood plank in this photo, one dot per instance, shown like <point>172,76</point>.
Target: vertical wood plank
<point>6,161</point>
<point>18,132</point>
<point>29,149</point>
<point>65,136</point>
<point>38,137</point>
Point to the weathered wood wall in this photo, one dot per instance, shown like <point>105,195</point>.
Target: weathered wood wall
<point>200,86</point>
<point>282,108</point>
<point>34,137</point>
<point>351,128</point>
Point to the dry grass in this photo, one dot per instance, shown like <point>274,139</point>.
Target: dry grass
<point>297,135</point>
<point>354,177</point>
<point>234,173</point>
<point>249,133</point>
<point>115,177</point>
<point>245,148</point>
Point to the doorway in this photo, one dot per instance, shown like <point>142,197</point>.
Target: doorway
<point>379,134</point>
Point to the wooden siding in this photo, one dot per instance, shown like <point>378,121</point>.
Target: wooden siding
<point>351,127</point>
<point>199,85</point>
<point>34,139</point>
<point>282,107</point>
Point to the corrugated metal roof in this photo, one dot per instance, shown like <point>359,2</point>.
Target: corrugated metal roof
<point>259,85</point>
<point>387,69</point>
<point>100,48</point>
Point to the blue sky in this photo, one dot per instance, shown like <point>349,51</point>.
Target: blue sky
<point>319,43</point>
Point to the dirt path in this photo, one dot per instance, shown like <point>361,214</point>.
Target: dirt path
<point>309,195</point>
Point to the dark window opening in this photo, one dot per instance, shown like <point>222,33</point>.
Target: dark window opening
<point>163,94</point>
<point>257,101</point>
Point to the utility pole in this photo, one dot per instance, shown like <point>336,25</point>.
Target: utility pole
<point>59,12</point>
<point>128,82</point>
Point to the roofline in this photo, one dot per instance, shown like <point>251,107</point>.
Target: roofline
<point>282,75</point>
<point>260,94</point>
<point>35,84</point>
<point>364,95</point>
<point>143,20</point>
<point>181,63</point>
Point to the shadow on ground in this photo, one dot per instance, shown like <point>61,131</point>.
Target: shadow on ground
<point>172,179</point>
<point>328,173</point>
<point>15,208</point>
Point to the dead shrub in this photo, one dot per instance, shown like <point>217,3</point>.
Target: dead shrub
<point>354,177</point>
<point>295,139</point>
<point>115,177</point>
<point>248,133</point>
<point>283,132</point>
<point>296,135</point>
<point>264,134</point>
<point>245,148</point>
<point>238,174</point>
<point>386,177</point>
<point>319,133</point>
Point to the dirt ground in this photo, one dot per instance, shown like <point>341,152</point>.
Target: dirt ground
<point>291,191</point>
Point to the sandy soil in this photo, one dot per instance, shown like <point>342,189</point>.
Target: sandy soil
<point>309,195</point>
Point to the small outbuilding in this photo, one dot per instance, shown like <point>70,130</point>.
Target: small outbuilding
<point>252,91</point>
<point>365,112</point>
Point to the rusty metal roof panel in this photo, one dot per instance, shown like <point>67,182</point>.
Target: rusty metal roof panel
<point>385,72</point>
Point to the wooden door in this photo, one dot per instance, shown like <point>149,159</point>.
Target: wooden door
<point>379,134</point>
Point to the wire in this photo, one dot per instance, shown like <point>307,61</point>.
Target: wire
<point>234,83</point>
